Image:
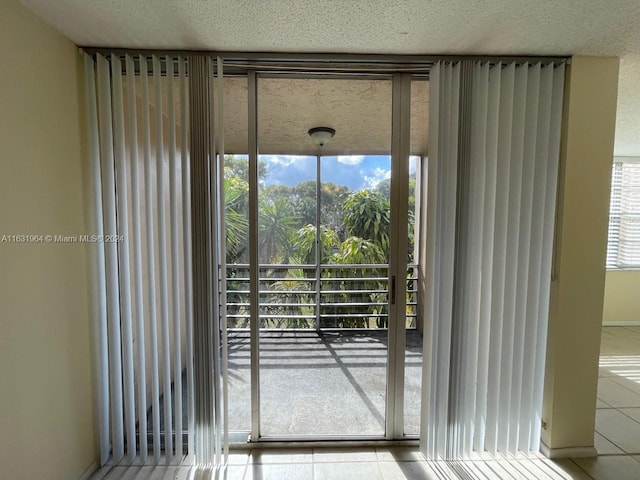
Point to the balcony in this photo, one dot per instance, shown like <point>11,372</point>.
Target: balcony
<point>323,350</point>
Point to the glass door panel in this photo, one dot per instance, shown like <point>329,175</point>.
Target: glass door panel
<point>236,194</point>
<point>413,348</point>
<point>416,212</point>
<point>324,248</point>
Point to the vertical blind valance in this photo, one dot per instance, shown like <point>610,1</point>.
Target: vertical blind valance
<point>495,137</point>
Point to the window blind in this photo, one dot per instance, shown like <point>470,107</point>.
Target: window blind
<point>158,320</point>
<point>623,247</point>
<point>493,162</point>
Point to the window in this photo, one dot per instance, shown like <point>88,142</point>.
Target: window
<point>623,249</point>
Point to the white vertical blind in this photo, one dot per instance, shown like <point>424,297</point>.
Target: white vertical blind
<point>139,137</point>
<point>623,249</point>
<point>443,133</point>
<point>136,249</point>
<point>105,135</point>
<point>150,262</point>
<point>122,214</point>
<point>186,254</point>
<point>100,332</point>
<point>483,387</point>
<point>207,250</point>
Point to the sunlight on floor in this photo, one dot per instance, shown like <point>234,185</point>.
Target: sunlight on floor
<point>627,366</point>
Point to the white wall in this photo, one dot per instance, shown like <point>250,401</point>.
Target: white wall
<point>621,297</point>
<point>577,286</point>
<point>46,419</point>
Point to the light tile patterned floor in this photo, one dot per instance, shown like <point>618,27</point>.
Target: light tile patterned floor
<point>617,440</point>
<point>355,464</point>
<point>617,437</point>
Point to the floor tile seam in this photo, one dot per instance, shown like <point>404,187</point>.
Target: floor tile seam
<point>619,410</point>
<point>625,453</point>
<point>623,386</point>
<point>582,469</point>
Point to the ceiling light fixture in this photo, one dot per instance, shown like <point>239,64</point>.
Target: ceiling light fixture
<point>321,135</point>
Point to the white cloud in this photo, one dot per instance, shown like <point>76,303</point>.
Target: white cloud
<point>277,160</point>
<point>350,159</point>
<point>284,160</point>
<point>375,177</point>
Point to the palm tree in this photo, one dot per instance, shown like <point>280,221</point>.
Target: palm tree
<point>292,303</point>
<point>236,193</point>
<point>277,223</point>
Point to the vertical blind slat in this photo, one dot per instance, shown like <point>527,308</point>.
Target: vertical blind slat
<point>150,258</point>
<point>530,129</point>
<point>186,238</point>
<point>473,381</point>
<point>215,263</point>
<point>136,242</point>
<point>111,256</point>
<point>100,315</point>
<point>176,314</point>
<point>499,255</point>
<point>492,78</point>
<point>165,331</point>
<point>511,264</point>
<point>123,256</point>
<point>547,248</point>
<point>427,428</point>
<point>535,255</point>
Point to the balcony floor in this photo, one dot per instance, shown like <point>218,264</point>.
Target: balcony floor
<point>329,383</point>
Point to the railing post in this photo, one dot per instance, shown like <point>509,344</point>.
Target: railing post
<point>318,242</point>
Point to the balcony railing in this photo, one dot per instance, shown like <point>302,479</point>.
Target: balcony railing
<point>306,296</point>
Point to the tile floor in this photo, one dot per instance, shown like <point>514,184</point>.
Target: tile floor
<point>617,436</point>
<point>617,439</point>
<point>399,463</point>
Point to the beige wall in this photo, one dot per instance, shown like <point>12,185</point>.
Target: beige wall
<point>622,297</point>
<point>46,413</point>
<point>577,288</point>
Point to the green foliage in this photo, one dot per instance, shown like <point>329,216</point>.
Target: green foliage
<point>236,193</point>
<point>354,230</point>
<point>283,303</point>
<point>356,250</point>
<point>367,215</point>
<point>304,241</point>
<point>277,222</point>
<point>236,166</point>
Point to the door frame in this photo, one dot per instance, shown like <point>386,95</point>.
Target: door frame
<point>398,255</point>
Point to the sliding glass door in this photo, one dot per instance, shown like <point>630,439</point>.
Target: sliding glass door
<point>319,350</point>
<point>323,239</point>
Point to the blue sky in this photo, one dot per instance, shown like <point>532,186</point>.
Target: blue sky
<point>354,171</point>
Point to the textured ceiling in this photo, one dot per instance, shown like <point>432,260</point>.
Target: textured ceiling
<point>543,27</point>
<point>359,111</point>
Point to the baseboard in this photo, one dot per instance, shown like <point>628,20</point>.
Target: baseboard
<point>622,324</point>
<point>570,452</point>
<point>93,468</point>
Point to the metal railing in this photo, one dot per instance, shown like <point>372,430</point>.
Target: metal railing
<point>330,296</point>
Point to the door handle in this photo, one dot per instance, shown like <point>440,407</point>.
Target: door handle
<point>393,290</point>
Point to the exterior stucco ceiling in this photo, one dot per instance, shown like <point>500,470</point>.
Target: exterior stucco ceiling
<point>546,27</point>
<point>359,111</point>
